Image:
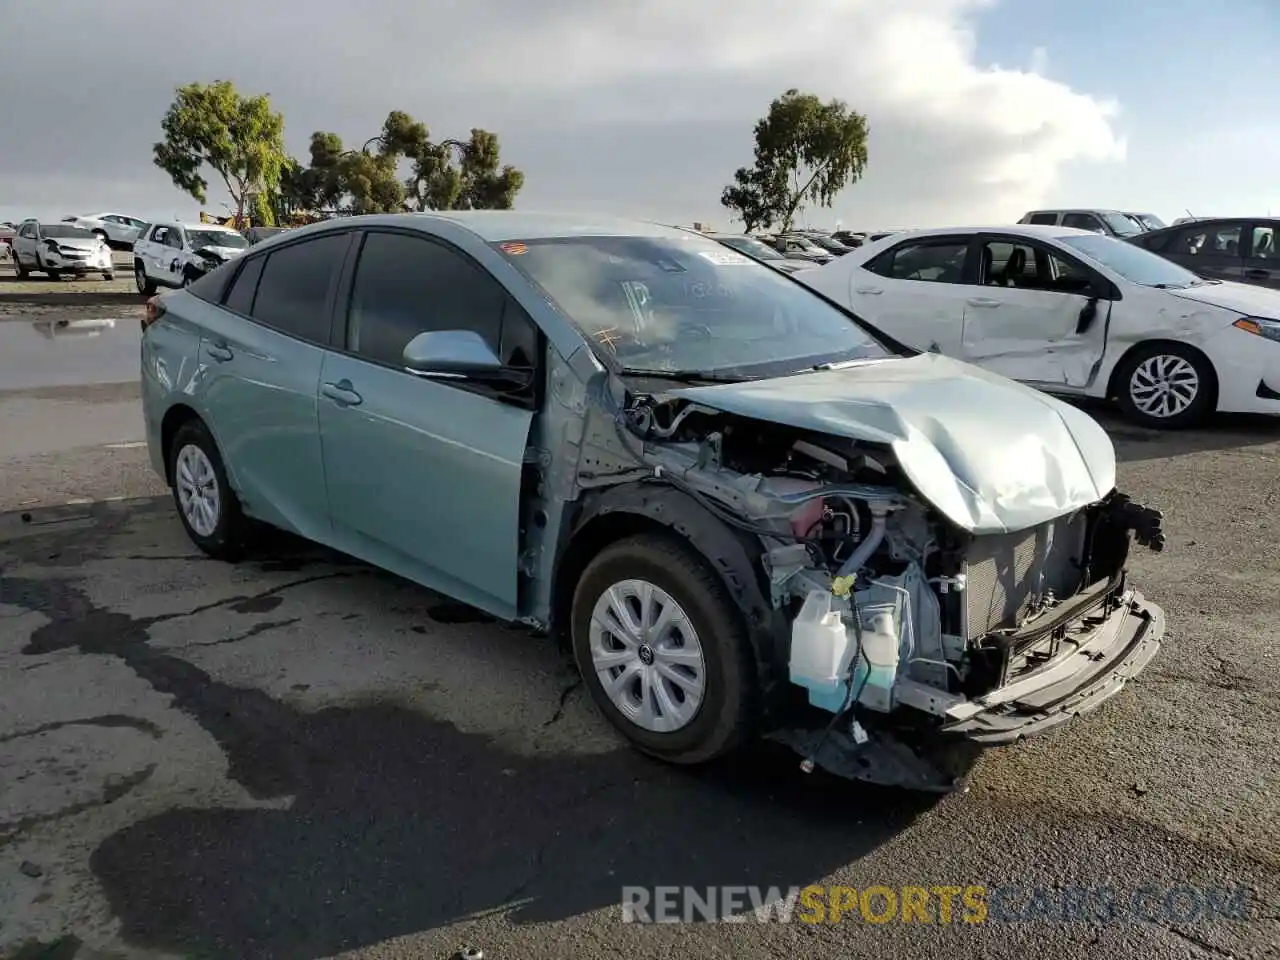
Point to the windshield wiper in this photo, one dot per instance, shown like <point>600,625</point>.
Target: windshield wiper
<point>684,376</point>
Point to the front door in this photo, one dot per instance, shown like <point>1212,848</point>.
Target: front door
<point>424,476</point>
<point>1032,315</point>
<point>261,356</point>
<point>914,292</point>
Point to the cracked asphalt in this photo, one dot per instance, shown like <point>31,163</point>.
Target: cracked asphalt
<point>302,757</point>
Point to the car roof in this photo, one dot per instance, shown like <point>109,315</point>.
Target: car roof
<point>1031,230</point>
<point>497,225</point>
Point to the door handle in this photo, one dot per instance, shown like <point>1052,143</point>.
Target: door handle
<point>868,290</point>
<point>220,352</point>
<point>342,393</point>
<point>983,302</point>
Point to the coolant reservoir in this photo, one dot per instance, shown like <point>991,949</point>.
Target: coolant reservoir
<point>821,652</point>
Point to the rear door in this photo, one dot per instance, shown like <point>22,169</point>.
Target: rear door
<point>914,291</point>
<point>262,355</point>
<point>424,475</point>
<point>1210,248</point>
<point>1261,243</point>
<point>1034,314</point>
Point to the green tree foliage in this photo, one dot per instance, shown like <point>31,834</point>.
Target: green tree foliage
<point>240,138</point>
<point>806,152</point>
<point>445,175</point>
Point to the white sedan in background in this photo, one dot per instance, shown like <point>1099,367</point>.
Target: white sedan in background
<point>1071,312</point>
<point>115,228</point>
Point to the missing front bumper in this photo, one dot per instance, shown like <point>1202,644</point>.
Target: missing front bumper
<point>1115,649</point>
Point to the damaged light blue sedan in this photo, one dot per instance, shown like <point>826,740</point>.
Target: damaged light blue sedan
<point>749,513</point>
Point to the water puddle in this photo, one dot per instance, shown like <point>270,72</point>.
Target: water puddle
<point>64,353</point>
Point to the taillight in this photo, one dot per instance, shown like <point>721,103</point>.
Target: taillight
<point>155,310</point>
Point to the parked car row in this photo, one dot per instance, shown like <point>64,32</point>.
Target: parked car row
<point>771,518</point>
<point>1076,313</point>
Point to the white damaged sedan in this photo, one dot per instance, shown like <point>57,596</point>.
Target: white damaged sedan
<point>1073,313</point>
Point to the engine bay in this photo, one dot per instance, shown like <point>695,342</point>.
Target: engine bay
<point>890,604</point>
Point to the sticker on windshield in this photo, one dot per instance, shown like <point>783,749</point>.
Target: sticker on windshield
<point>514,249</point>
<point>724,258</point>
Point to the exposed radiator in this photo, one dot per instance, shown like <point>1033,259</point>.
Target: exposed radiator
<point>1007,573</point>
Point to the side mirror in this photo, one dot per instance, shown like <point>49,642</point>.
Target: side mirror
<point>459,355</point>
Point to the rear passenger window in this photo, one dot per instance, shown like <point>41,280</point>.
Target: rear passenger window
<point>408,285</point>
<point>294,288</point>
<point>240,298</point>
<point>934,261</point>
<point>1044,219</point>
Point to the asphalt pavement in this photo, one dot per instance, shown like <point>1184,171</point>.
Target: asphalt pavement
<point>301,757</point>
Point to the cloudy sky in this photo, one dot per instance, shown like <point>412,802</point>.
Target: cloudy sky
<point>978,109</point>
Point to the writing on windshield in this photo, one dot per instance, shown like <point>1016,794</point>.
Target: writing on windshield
<point>677,303</point>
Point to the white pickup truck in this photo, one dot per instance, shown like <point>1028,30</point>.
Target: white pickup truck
<point>169,254</point>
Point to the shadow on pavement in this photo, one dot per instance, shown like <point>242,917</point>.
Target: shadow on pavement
<point>401,823</point>
<point>1224,431</point>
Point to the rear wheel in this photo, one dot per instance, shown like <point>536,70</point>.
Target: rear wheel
<point>21,271</point>
<point>108,276</point>
<point>1167,386</point>
<point>663,650</point>
<point>207,506</point>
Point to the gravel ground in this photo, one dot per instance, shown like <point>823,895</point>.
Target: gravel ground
<point>300,757</point>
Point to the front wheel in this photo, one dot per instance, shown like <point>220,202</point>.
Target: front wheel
<point>108,277</point>
<point>145,286</point>
<point>207,506</point>
<point>663,650</point>
<point>1167,386</point>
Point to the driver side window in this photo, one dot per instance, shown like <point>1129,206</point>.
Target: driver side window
<point>407,285</point>
<point>932,261</point>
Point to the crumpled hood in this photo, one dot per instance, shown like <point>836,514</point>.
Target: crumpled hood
<point>1244,298</point>
<point>991,455</point>
<point>225,253</point>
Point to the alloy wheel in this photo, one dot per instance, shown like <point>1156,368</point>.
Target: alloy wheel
<point>1164,385</point>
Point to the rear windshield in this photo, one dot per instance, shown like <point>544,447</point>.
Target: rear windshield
<point>64,231</point>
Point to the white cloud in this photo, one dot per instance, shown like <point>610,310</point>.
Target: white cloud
<point>642,108</point>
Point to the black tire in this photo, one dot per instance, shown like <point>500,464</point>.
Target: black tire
<point>1202,404</point>
<point>230,534</point>
<point>108,277</point>
<point>21,272</point>
<point>145,285</point>
<point>102,235</point>
<point>730,706</point>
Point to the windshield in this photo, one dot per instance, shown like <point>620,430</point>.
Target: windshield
<point>756,248</point>
<point>65,231</point>
<point>216,238</point>
<point>685,305</point>
<point>1122,226</point>
<point>1132,262</point>
<point>1149,220</point>
<point>827,243</point>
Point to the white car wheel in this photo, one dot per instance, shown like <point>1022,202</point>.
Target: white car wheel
<point>1163,386</point>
